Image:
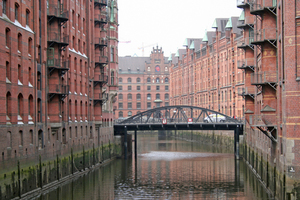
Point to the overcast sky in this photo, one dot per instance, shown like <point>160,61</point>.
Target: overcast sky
<point>167,22</point>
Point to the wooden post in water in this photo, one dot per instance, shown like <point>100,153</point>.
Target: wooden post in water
<point>125,142</point>
<point>236,142</point>
<point>135,145</point>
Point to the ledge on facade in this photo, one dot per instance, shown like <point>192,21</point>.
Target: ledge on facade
<point>249,112</point>
<point>267,108</point>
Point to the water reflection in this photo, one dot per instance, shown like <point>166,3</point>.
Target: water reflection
<point>167,169</point>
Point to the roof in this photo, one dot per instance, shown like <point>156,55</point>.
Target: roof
<point>135,64</point>
<point>220,24</point>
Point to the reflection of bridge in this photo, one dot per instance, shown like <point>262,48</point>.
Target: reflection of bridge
<point>180,118</point>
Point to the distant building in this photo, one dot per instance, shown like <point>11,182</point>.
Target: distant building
<point>59,62</point>
<point>143,84</point>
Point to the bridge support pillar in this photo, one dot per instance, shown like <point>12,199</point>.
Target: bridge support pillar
<point>236,142</point>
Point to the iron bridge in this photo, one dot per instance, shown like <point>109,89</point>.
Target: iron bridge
<point>178,118</point>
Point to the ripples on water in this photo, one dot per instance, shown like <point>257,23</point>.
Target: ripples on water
<point>167,169</point>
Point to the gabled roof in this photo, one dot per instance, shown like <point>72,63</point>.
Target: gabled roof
<point>220,23</point>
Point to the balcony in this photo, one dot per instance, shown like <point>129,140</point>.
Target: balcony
<point>55,38</point>
<point>265,36</point>
<point>100,42</point>
<point>100,2</point>
<point>264,78</point>
<point>242,3</point>
<point>100,19</point>
<point>57,64</point>
<point>248,22</point>
<point>247,43</point>
<point>246,64</point>
<point>100,60</point>
<point>58,90</point>
<point>247,91</point>
<point>100,98</point>
<point>258,7</point>
<point>100,79</point>
<point>58,12</point>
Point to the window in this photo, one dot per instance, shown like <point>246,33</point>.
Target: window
<point>138,105</point>
<point>148,80</point>
<point>120,88</point>
<point>148,96</point>
<point>166,103</point>
<point>148,105</point>
<point>129,87</point>
<point>29,46</point>
<point>27,17</point>
<point>7,70</point>
<point>166,80</point>
<point>129,114</point>
<point>19,74</point>
<point>148,88</point>
<point>157,88</point>
<point>16,11</point>
<point>4,10</point>
<point>120,105</point>
<point>129,105</point>
<point>19,43</point>
<point>129,96</point>
<point>111,54</point>
<point>120,96</point>
<point>120,80</point>
<point>138,97</point>
<point>157,80</point>
<point>138,80</point>
<point>112,74</point>
<point>166,96</point>
<point>138,88</point>
<point>7,37</point>
<point>20,105</point>
<point>129,80</point>
<point>120,114</point>
<point>166,88</point>
<point>157,96</point>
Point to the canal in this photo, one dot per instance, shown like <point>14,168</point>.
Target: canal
<point>166,168</point>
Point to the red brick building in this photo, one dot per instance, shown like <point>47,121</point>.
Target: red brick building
<point>60,62</point>
<point>205,73</point>
<point>143,83</point>
<point>272,95</point>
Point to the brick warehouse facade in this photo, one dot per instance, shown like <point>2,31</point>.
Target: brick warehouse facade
<point>205,73</point>
<point>254,75</point>
<point>143,83</point>
<point>272,90</point>
<point>60,62</point>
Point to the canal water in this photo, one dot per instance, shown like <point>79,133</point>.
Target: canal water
<point>166,168</point>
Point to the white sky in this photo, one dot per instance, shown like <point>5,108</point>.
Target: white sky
<point>167,22</point>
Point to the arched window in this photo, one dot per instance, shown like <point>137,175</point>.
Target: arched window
<point>129,80</point>
<point>20,105</point>
<point>129,96</point>
<point>7,37</point>
<point>148,80</point>
<point>157,96</point>
<point>21,138</point>
<point>8,106</point>
<point>120,96</point>
<point>166,80</point>
<point>167,96</point>
<point>138,80</point>
<point>30,106</point>
<point>120,80</point>
<point>19,43</point>
<point>129,114</point>
<point>120,114</point>
<point>157,80</point>
<point>138,96</point>
<point>112,77</point>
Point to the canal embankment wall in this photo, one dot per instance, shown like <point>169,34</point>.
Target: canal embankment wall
<point>28,177</point>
